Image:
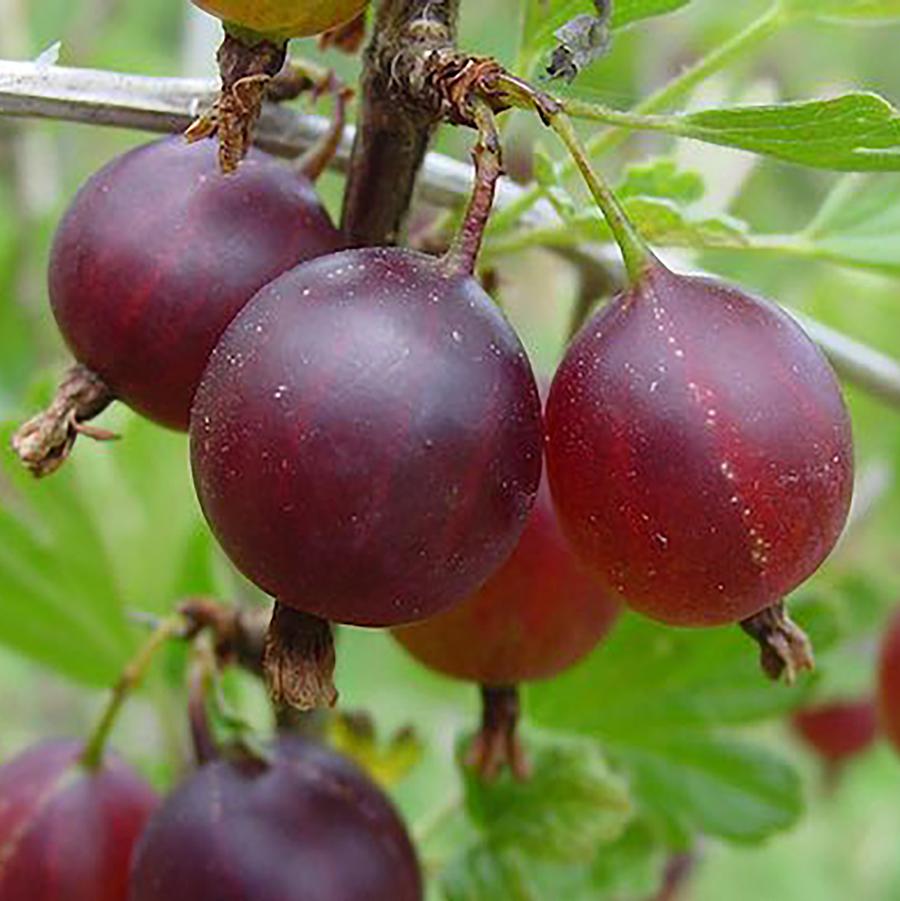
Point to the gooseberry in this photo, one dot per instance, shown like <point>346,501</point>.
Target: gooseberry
<point>67,830</point>
<point>304,824</point>
<point>889,682</point>
<point>537,615</point>
<point>534,617</point>
<point>366,440</point>
<point>284,18</point>
<point>159,251</point>
<point>699,450</point>
<point>838,730</point>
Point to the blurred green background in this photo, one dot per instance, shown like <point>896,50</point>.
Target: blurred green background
<point>118,530</point>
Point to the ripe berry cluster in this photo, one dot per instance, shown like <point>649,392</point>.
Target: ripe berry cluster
<point>367,443</point>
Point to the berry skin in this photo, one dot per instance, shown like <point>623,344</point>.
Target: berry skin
<point>839,730</point>
<point>67,832</point>
<point>309,826</point>
<point>366,440</point>
<point>536,616</point>
<point>157,254</point>
<point>699,450</point>
<point>889,682</point>
<point>285,18</point>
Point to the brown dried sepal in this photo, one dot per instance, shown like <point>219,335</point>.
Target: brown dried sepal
<point>784,648</point>
<point>298,659</point>
<point>455,78</point>
<point>347,38</point>
<point>246,71</point>
<point>46,440</point>
<point>497,745</point>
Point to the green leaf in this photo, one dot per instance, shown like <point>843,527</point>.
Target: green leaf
<point>854,132</point>
<point>571,804</point>
<point>625,12</point>
<point>628,868</point>
<point>114,529</point>
<point>859,224</point>
<point>486,873</point>
<point>737,792</point>
<point>653,680</point>
<point>853,11</point>
<point>656,698</point>
<point>660,221</point>
<point>661,177</point>
<point>59,605</point>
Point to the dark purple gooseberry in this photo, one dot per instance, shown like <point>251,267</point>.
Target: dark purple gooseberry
<point>366,440</point>
<point>699,450</point>
<point>157,254</point>
<point>67,831</point>
<point>307,826</point>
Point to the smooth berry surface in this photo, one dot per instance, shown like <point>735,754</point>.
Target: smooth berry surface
<point>838,730</point>
<point>308,827</point>
<point>366,441</point>
<point>159,251</point>
<point>889,681</point>
<point>699,450</point>
<point>537,615</point>
<point>67,833</point>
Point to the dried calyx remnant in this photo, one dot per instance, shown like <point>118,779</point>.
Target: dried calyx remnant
<point>44,442</point>
<point>247,64</point>
<point>582,41</point>
<point>497,743</point>
<point>298,659</point>
<point>784,648</point>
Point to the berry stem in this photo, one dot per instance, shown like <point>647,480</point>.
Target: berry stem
<point>46,440</point>
<point>635,252</point>
<point>314,162</point>
<point>784,647</point>
<point>298,659</point>
<point>463,251</point>
<point>130,679</point>
<point>200,681</point>
<point>497,744</point>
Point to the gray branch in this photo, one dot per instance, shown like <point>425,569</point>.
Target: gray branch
<point>165,105</point>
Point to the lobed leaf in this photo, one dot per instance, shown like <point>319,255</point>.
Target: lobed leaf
<point>571,804</point>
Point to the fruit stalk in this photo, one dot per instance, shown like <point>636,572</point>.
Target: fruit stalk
<point>463,251</point>
<point>131,677</point>
<point>314,162</point>
<point>635,252</point>
<point>200,679</point>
